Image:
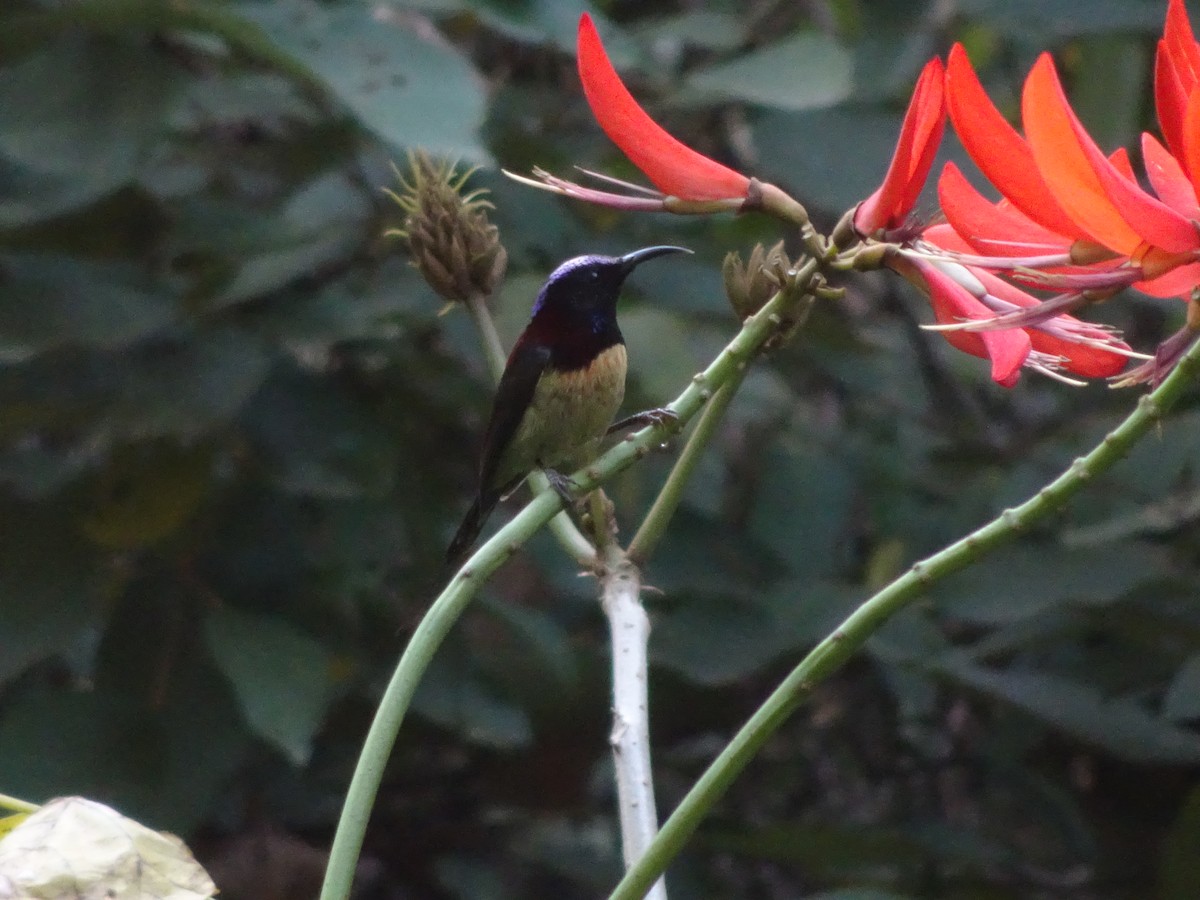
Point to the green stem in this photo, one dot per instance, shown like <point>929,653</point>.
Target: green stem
<point>17,806</point>
<point>839,646</point>
<point>432,630</point>
<point>653,527</point>
<point>493,350</point>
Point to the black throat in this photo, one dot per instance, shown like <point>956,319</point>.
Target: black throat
<point>575,336</point>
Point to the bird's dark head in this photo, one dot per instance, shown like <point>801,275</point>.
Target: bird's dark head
<point>590,284</point>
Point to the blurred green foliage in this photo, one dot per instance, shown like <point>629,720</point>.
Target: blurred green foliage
<point>235,436</point>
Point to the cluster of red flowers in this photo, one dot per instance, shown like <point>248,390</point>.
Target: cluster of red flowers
<point>1072,223</point>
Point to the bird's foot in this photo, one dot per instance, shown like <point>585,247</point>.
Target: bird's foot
<point>660,416</point>
<point>563,486</point>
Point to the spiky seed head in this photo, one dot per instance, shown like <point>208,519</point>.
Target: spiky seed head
<point>749,285</point>
<point>453,244</point>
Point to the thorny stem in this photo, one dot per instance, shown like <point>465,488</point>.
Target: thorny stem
<point>446,609</point>
<point>845,640</point>
<point>629,628</point>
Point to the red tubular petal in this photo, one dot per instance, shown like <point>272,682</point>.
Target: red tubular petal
<point>920,135</point>
<point>1064,163</point>
<point>1008,351</point>
<point>1158,224</point>
<point>992,229</point>
<point>1169,180</point>
<point>1119,159</point>
<point>1191,139</point>
<point>945,237</point>
<point>1181,45</point>
<point>1179,282</point>
<point>1170,99</point>
<point>928,110</point>
<point>1084,360</point>
<point>673,167</point>
<point>1001,154</point>
<point>951,302</point>
<point>1080,359</point>
<point>1176,74</point>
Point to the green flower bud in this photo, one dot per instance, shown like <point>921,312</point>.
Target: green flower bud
<point>749,285</point>
<point>453,244</point>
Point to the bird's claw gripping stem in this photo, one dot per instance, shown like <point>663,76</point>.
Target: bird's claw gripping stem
<point>660,416</point>
<point>563,486</point>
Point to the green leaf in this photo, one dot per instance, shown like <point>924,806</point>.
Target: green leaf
<point>49,585</point>
<point>1179,869</point>
<point>1025,580</point>
<point>58,301</point>
<point>827,851</point>
<point>1121,726</point>
<point>1045,20</point>
<point>720,639</point>
<point>185,389</point>
<point>319,225</point>
<point>704,28</point>
<point>403,85</point>
<point>317,440</point>
<point>803,150</point>
<point>283,678</point>
<point>86,108</point>
<point>28,196</point>
<point>809,70</point>
<point>1183,696</point>
<point>145,494</point>
<point>803,503</point>
<point>716,640</point>
<point>455,696</point>
<point>657,358</point>
<point>1109,87</point>
<point>165,767</point>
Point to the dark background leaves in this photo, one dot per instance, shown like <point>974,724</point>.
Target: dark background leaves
<point>235,436</point>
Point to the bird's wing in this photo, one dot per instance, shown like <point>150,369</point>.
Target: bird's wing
<point>524,368</point>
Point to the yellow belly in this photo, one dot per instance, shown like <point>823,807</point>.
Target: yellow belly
<point>569,413</point>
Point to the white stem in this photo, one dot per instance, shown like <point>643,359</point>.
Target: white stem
<point>629,627</point>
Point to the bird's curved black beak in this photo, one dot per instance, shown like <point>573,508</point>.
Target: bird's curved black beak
<point>631,261</point>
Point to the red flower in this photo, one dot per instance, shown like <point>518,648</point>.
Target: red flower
<point>1062,195</point>
<point>920,135</point>
<point>953,303</point>
<point>971,304</point>
<point>674,168</point>
<point>1098,196</point>
<point>1176,74</point>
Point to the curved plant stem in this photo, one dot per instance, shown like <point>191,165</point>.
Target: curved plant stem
<point>377,747</point>
<point>669,497</point>
<point>653,527</point>
<point>578,547</point>
<point>839,646</point>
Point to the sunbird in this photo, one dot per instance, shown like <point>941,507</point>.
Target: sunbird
<point>563,383</point>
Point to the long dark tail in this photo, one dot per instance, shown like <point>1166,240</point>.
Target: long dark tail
<point>471,525</point>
